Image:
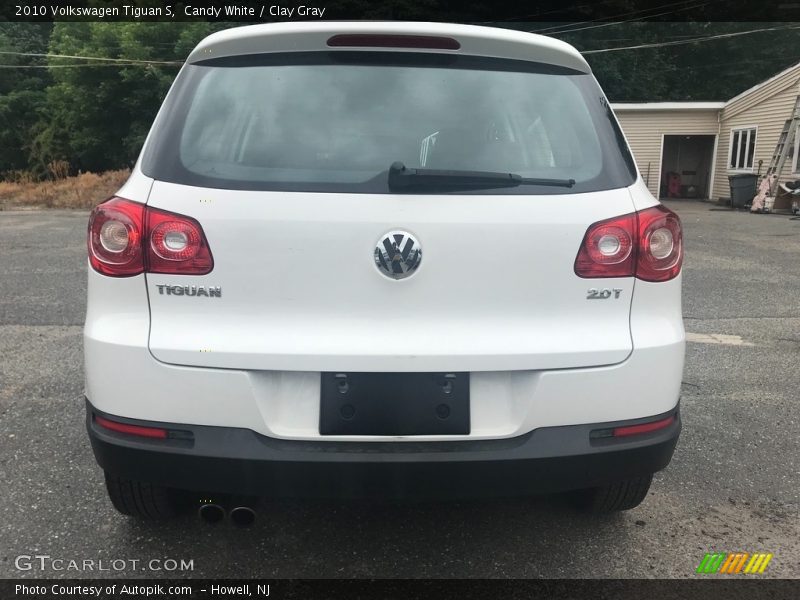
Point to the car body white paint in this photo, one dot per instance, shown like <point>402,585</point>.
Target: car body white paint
<point>512,312</point>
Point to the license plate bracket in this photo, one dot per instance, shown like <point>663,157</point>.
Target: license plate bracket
<point>394,404</point>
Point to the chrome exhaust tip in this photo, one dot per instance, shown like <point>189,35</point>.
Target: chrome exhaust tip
<point>211,513</point>
<point>243,516</point>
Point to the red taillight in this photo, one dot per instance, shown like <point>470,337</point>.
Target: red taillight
<point>115,238</point>
<point>647,245</point>
<point>660,245</point>
<point>127,238</point>
<point>608,249</point>
<point>360,40</point>
<point>138,430</point>
<point>643,428</point>
<point>176,245</point>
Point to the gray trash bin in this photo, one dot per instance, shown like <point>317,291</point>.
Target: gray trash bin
<point>743,189</point>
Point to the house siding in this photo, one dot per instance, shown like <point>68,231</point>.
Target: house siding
<point>644,130</point>
<point>767,108</point>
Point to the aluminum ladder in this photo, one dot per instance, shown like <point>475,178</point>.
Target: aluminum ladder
<point>784,145</point>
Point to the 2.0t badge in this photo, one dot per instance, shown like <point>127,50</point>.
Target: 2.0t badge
<point>398,254</point>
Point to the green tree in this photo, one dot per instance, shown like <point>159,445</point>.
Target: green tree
<point>97,115</point>
<point>23,84</point>
<point>716,69</point>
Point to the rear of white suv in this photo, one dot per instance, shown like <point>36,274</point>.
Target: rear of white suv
<point>359,257</point>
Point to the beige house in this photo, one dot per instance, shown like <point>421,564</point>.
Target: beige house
<point>705,142</point>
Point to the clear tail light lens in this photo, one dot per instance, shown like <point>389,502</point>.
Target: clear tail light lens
<point>115,237</point>
<point>127,238</point>
<point>646,244</point>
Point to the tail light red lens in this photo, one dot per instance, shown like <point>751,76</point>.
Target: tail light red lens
<point>177,245</point>
<point>127,238</point>
<point>608,249</point>
<point>660,245</point>
<point>115,238</point>
<point>646,244</point>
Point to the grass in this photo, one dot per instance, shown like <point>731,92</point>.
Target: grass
<point>81,191</point>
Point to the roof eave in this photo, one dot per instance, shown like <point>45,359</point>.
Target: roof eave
<point>667,106</point>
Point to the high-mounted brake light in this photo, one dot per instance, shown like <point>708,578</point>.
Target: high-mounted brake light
<point>646,244</point>
<point>374,40</point>
<point>127,238</point>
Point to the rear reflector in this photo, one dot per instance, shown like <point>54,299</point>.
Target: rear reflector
<point>148,432</point>
<point>369,40</point>
<point>643,428</point>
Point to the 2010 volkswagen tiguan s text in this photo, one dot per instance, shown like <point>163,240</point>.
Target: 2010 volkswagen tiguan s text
<point>383,257</point>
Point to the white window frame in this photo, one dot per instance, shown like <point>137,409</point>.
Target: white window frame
<point>795,160</point>
<point>746,128</point>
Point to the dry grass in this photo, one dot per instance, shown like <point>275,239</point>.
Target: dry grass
<point>82,191</point>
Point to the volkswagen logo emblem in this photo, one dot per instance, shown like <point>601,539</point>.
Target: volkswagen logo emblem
<point>398,254</point>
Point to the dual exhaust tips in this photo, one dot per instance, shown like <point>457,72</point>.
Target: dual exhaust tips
<point>241,516</point>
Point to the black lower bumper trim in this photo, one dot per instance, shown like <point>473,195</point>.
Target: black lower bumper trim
<point>233,460</point>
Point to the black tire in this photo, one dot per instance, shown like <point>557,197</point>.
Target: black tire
<point>614,497</point>
<point>141,500</point>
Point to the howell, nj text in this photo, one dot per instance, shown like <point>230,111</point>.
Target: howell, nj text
<point>245,590</point>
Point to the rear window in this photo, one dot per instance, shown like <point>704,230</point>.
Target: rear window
<point>336,121</point>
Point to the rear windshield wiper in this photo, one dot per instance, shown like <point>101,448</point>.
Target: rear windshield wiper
<point>402,177</point>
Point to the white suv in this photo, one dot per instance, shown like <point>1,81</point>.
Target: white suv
<point>392,257</point>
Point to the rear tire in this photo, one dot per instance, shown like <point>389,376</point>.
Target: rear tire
<point>140,499</point>
<point>614,497</point>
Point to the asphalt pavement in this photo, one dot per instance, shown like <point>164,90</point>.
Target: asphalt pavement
<point>733,485</point>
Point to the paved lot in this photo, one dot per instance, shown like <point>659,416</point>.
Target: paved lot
<point>733,484</point>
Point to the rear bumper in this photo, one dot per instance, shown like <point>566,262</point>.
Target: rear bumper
<point>286,404</point>
<point>241,461</point>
